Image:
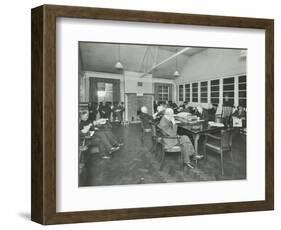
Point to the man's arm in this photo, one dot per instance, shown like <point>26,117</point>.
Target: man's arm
<point>165,128</point>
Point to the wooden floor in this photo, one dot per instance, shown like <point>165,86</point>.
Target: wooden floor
<point>135,164</point>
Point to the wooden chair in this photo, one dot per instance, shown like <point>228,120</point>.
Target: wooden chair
<point>172,150</point>
<point>81,157</point>
<point>220,144</point>
<point>144,131</point>
<point>157,140</point>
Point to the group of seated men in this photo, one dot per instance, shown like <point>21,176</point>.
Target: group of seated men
<point>164,120</point>
<point>98,133</point>
<point>211,113</point>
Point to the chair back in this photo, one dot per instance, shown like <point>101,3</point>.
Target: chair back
<point>226,138</point>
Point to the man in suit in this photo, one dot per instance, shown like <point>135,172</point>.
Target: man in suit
<point>169,128</point>
<point>104,139</point>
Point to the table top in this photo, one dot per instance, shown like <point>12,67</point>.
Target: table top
<point>199,127</point>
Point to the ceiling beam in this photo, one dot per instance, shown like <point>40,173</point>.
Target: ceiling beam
<point>165,60</point>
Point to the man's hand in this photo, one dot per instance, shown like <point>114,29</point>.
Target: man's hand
<point>101,121</point>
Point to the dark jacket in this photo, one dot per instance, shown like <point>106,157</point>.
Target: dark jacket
<point>146,120</point>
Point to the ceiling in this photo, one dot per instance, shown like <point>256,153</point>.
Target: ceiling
<point>102,57</point>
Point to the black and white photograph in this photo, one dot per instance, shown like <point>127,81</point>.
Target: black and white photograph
<point>161,114</point>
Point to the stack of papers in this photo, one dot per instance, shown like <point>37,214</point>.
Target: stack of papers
<point>215,124</point>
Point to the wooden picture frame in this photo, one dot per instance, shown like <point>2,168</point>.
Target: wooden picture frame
<point>43,208</point>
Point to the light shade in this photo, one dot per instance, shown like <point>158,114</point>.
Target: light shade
<point>176,73</point>
<point>118,65</point>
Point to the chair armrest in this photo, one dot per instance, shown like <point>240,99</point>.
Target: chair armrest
<point>213,136</point>
<point>169,137</point>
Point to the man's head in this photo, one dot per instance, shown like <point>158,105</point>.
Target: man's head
<point>169,113</point>
<point>226,97</point>
<point>160,108</point>
<point>144,109</point>
<point>214,106</point>
<point>84,115</point>
<point>240,108</point>
<point>199,109</point>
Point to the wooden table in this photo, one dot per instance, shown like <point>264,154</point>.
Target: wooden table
<point>202,128</point>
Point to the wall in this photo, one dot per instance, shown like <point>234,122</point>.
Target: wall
<point>212,63</point>
<point>15,151</point>
<point>129,85</point>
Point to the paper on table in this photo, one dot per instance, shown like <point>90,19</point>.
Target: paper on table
<point>216,124</point>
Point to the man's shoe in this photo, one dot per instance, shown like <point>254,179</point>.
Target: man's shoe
<point>105,157</point>
<point>113,149</point>
<point>198,156</point>
<point>189,165</point>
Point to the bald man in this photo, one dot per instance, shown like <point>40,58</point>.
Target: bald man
<point>146,118</point>
<point>169,127</point>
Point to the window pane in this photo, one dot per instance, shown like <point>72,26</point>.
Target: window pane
<point>215,82</point>
<point>204,83</point>
<point>242,79</point>
<point>228,80</point>
<point>215,88</point>
<point>180,92</point>
<point>187,92</point>
<point>230,94</point>
<point>228,87</point>
<point>242,90</point>
<point>215,100</point>
<point>215,94</point>
<point>243,102</point>
<point>204,99</point>
<point>195,99</point>
<point>204,94</point>
<point>242,94</point>
<point>194,85</point>
<point>242,86</point>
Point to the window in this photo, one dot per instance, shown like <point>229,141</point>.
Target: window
<point>163,93</point>
<point>242,91</point>
<point>204,91</point>
<point>180,92</point>
<point>105,92</point>
<point>187,92</point>
<point>215,91</point>
<point>194,92</point>
<point>228,90</point>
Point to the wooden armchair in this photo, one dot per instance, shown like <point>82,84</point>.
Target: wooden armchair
<point>219,144</point>
<point>170,150</point>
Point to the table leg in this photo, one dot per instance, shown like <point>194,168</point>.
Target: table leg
<point>196,139</point>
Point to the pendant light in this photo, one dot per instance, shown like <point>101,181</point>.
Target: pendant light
<point>118,64</point>
<point>176,73</point>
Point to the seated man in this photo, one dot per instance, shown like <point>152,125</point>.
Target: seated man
<point>146,118</point>
<point>159,113</point>
<point>241,114</point>
<point>202,113</point>
<point>104,139</point>
<point>212,112</point>
<point>169,128</point>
